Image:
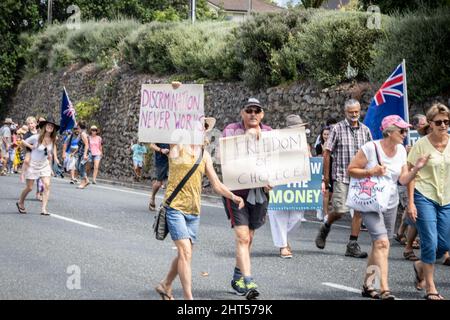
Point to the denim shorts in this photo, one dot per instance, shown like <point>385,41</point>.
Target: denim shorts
<point>138,163</point>
<point>182,226</point>
<point>97,157</point>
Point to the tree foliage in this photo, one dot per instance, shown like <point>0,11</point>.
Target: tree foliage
<point>399,6</point>
<point>15,17</point>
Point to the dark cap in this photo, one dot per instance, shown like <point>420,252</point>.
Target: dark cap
<point>253,102</point>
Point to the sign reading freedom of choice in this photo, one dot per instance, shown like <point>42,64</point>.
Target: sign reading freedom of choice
<point>169,115</point>
<point>278,157</point>
<point>306,195</point>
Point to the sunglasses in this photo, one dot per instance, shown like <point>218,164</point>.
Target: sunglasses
<point>45,151</point>
<point>206,126</point>
<point>403,131</point>
<point>253,110</point>
<point>440,122</point>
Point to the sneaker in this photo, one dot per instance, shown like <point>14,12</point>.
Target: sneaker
<point>239,287</point>
<point>252,292</point>
<point>353,250</point>
<point>322,236</point>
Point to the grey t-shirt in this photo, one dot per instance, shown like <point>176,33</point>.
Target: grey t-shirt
<point>5,132</point>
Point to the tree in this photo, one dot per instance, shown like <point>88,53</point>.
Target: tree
<point>15,17</point>
<point>312,3</point>
<point>392,6</point>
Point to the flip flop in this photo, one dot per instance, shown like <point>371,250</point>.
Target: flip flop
<point>22,211</point>
<point>164,295</point>
<point>45,214</point>
<point>429,295</point>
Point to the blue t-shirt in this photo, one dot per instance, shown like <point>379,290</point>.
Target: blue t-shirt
<point>73,143</point>
<point>161,159</point>
<point>138,152</point>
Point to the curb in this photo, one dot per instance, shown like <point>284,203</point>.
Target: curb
<point>143,186</point>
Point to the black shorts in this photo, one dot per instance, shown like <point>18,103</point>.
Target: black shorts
<point>161,171</point>
<point>253,216</point>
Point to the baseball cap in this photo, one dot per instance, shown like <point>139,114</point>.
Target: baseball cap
<point>394,120</point>
<point>253,102</point>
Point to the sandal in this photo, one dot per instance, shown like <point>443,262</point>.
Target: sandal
<point>417,281</point>
<point>370,293</point>
<point>386,295</point>
<point>287,255</point>
<point>446,262</point>
<point>163,293</point>
<point>21,210</point>
<point>400,239</point>
<point>152,206</point>
<point>410,256</point>
<point>45,213</point>
<point>429,296</point>
<point>416,244</point>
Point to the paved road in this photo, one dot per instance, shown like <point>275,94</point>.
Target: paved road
<point>104,232</point>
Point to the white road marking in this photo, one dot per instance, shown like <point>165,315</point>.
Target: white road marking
<point>345,288</point>
<point>148,195</point>
<point>75,221</point>
<point>341,287</point>
<point>204,204</point>
<point>122,190</point>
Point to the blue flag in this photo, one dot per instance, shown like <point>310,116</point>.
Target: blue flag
<point>390,99</point>
<point>67,113</point>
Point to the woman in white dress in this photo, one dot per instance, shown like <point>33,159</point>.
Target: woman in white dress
<point>43,148</point>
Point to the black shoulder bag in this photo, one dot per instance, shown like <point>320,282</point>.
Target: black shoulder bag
<point>159,225</point>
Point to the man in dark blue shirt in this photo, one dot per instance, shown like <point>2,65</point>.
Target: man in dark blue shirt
<point>161,170</point>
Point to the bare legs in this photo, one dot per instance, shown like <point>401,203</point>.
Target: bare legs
<point>180,266</point>
<point>244,239</point>
<point>96,166</point>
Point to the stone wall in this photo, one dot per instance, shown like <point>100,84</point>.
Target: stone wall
<point>119,92</point>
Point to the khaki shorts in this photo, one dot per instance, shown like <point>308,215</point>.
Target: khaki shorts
<point>339,198</point>
<point>38,169</point>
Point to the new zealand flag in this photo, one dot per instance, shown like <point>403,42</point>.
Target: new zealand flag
<point>390,99</point>
<point>67,113</point>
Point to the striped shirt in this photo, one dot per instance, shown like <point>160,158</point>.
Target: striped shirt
<point>343,143</point>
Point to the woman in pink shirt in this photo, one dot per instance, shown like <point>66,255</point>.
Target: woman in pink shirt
<point>95,145</point>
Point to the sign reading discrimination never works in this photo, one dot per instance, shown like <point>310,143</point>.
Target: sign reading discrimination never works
<point>170,115</point>
<point>306,195</point>
<point>278,157</point>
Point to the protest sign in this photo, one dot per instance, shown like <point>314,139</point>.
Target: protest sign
<point>277,157</point>
<point>169,115</point>
<point>414,136</point>
<point>306,195</point>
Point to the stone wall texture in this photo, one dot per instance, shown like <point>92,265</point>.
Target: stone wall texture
<point>119,93</point>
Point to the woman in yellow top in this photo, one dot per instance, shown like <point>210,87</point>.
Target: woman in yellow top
<point>429,198</point>
<point>183,215</point>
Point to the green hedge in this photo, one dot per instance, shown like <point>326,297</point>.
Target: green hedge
<point>264,51</point>
<point>197,50</point>
<point>257,42</point>
<point>422,39</point>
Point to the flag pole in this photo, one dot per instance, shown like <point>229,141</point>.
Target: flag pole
<point>405,97</point>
